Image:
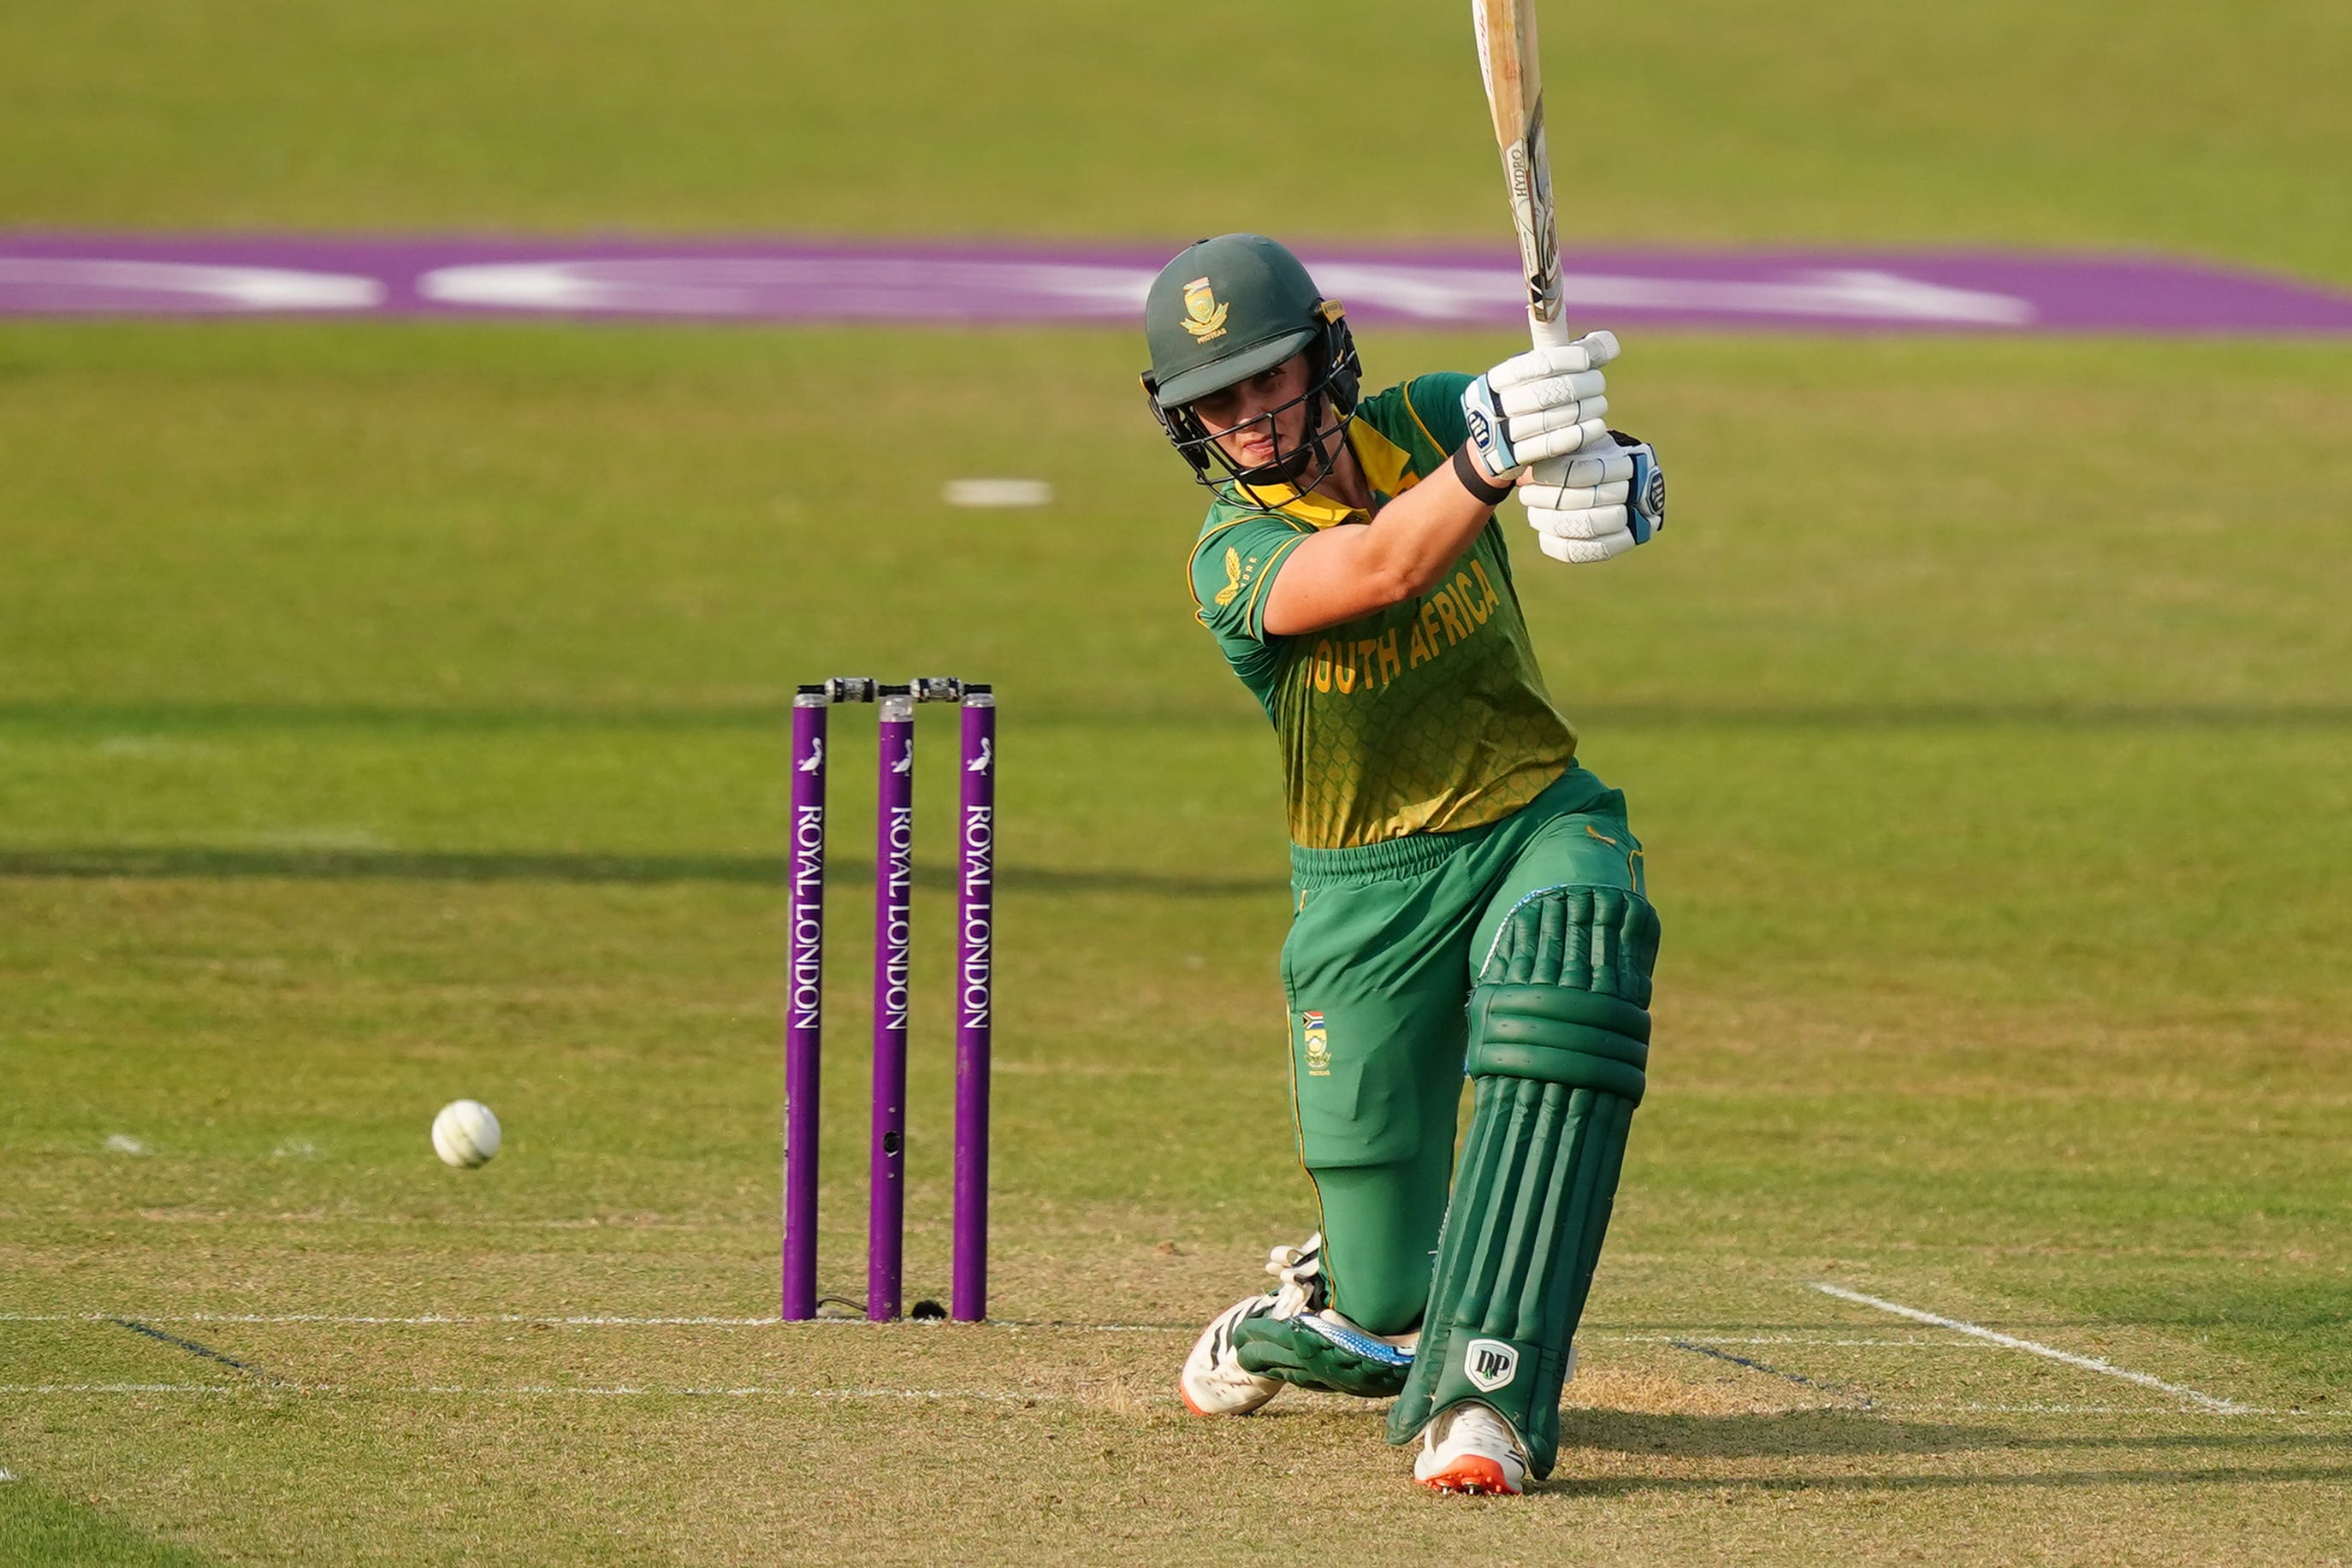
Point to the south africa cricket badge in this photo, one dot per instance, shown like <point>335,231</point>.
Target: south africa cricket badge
<point>1205,313</point>
<point>1318,1046</point>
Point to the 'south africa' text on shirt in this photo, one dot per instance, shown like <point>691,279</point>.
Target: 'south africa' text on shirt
<point>1450,614</point>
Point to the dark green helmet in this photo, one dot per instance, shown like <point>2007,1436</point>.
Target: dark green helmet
<point>1221,311</point>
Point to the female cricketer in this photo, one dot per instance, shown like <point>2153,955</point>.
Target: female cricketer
<point>1467,900</point>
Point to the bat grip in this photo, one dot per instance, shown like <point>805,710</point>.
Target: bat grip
<point>1552,334</point>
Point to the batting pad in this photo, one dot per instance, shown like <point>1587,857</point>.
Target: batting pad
<point>1558,1045</point>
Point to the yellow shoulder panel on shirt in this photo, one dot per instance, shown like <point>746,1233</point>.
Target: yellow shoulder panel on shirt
<point>1388,465</point>
<point>1419,422</point>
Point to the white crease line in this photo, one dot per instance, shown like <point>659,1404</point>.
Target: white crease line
<point>1000,1396</point>
<point>1795,1339</point>
<point>2087,1363</point>
<point>123,1388</point>
<point>540,1390</point>
<point>601,1320</point>
<point>754,1391</point>
<point>426,1319</point>
<point>463,1320</point>
<point>1948,1407</point>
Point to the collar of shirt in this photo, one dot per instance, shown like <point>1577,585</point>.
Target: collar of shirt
<point>1388,467</point>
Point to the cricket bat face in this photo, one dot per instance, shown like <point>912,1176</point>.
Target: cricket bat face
<point>1514,77</point>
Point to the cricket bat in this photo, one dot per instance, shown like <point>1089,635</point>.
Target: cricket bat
<point>1514,77</point>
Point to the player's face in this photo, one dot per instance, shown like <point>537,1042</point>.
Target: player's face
<point>1237,416</point>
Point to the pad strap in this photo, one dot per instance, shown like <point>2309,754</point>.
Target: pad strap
<point>1560,1036</point>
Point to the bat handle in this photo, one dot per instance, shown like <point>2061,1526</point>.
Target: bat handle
<point>1552,334</point>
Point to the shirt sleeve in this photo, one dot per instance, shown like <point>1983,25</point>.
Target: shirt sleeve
<point>1436,402</point>
<point>1233,564</point>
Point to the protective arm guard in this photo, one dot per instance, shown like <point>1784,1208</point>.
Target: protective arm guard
<point>1558,1044</point>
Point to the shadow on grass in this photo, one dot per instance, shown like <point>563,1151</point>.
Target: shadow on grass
<point>1567,1487</point>
<point>1827,1432</point>
<point>1780,1434</point>
<point>211,862</point>
<point>40,1526</point>
<point>2279,1440</point>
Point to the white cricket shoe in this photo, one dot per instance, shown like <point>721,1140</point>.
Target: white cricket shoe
<point>1469,1449</point>
<point>1214,1382</point>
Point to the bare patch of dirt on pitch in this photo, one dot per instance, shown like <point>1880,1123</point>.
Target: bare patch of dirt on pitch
<point>1643,1393</point>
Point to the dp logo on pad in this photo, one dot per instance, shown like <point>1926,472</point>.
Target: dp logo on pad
<point>1489,1363</point>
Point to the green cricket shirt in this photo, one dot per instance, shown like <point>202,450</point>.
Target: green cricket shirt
<point>1429,716</point>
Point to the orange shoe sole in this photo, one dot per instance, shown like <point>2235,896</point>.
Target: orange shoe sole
<point>1472,1475</point>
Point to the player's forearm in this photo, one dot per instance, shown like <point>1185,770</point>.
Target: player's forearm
<point>1539,405</point>
<point>1342,573</point>
<point>1417,537</point>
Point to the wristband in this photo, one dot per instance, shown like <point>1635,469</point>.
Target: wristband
<point>1475,482</point>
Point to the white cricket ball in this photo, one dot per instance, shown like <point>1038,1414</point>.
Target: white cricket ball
<point>465,1134</point>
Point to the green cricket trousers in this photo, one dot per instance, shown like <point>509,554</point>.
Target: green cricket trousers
<point>1386,941</point>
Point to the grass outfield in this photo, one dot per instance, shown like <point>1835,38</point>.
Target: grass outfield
<point>391,715</point>
<point>2103,123</point>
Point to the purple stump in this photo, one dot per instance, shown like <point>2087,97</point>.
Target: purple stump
<point>804,1000</point>
<point>975,994</point>
<point>894,878</point>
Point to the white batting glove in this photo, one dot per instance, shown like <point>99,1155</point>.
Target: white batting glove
<point>1600,503</point>
<point>1544,403</point>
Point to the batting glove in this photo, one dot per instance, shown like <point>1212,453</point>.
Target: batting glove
<point>1544,403</point>
<point>1604,502</point>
